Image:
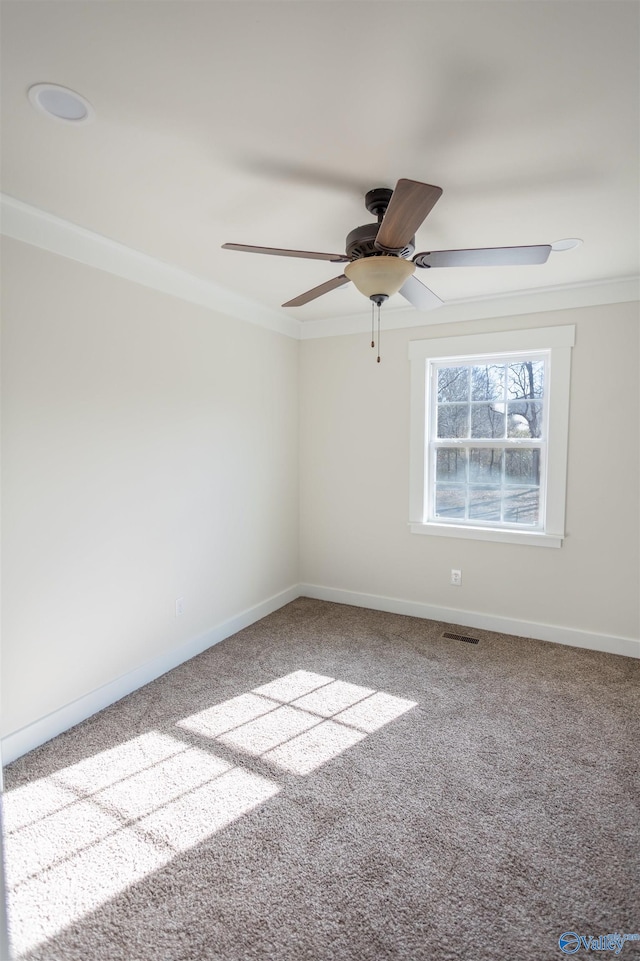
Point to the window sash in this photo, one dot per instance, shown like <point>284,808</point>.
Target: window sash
<point>433,443</point>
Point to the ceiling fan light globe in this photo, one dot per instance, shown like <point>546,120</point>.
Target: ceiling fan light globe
<point>379,275</point>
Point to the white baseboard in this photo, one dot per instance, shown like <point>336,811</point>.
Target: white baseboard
<point>609,643</point>
<point>33,735</point>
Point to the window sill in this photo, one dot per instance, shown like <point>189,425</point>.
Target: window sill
<point>528,538</point>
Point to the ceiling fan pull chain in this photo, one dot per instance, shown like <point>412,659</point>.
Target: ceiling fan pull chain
<point>373,344</point>
<point>378,333</point>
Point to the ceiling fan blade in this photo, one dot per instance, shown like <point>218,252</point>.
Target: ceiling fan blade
<point>419,295</point>
<point>410,203</point>
<point>281,252</point>
<point>484,257</point>
<point>317,291</point>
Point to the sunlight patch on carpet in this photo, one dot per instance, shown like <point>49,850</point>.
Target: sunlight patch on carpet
<point>311,750</point>
<point>88,832</point>
<point>332,698</point>
<point>224,717</point>
<point>195,816</point>
<point>374,712</point>
<point>266,732</point>
<point>292,686</point>
<point>300,721</point>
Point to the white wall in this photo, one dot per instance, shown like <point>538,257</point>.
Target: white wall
<point>149,453</point>
<point>354,480</point>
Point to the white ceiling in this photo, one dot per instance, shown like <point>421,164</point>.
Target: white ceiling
<point>265,123</point>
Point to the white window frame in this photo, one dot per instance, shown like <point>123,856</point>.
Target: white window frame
<point>556,343</point>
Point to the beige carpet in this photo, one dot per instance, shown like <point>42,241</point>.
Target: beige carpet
<point>336,783</point>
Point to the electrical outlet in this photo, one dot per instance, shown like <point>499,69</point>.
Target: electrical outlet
<point>456,578</point>
<point>179,606</point>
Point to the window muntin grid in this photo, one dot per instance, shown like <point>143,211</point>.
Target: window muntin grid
<point>487,439</point>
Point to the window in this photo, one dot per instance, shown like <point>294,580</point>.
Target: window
<point>489,429</point>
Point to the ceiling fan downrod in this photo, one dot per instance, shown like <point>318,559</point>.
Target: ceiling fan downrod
<point>377,200</point>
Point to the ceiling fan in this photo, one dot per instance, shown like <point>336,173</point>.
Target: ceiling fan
<point>380,256</point>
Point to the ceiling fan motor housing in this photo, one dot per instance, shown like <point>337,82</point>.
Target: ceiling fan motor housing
<point>360,243</point>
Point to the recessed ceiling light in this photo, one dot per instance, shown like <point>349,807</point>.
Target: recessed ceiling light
<point>569,244</point>
<point>60,103</point>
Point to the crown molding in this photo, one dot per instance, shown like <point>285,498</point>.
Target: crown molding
<point>39,228</point>
<point>536,300</point>
<point>33,226</point>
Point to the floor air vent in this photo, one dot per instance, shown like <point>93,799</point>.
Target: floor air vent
<point>461,637</point>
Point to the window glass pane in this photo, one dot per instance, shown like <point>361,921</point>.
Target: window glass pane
<point>451,465</point>
<point>453,383</point>
<point>522,506</point>
<point>485,466</point>
<point>526,379</point>
<point>484,503</point>
<point>453,420</point>
<point>487,420</point>
<point>522,467</point>
<point>487,382</point>
<point>449,501</point>
<point>524,418</point>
